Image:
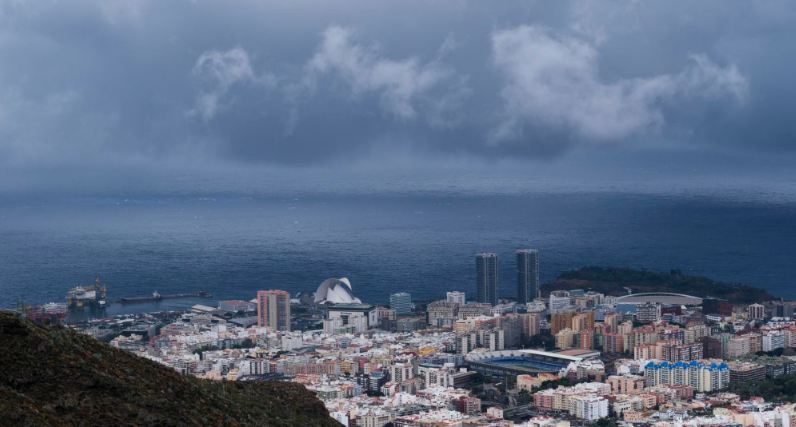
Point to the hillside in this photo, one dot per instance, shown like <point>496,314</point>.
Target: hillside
<point>55,376</point>
<point>612,281</point>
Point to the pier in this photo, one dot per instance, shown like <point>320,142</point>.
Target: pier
<point>158,297</point>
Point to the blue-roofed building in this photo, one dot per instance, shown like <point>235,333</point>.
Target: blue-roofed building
<point>702,376</point>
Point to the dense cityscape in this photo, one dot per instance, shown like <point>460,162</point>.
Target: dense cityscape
<point>570,357</point>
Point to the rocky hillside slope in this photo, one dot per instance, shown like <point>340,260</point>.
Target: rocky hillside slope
<point>52,376</point>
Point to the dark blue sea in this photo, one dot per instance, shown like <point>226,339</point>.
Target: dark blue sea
<point>423,243</point>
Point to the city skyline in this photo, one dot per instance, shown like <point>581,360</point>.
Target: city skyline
<point>621,356</point>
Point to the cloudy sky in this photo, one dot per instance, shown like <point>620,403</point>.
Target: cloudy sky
<point>128,93</point>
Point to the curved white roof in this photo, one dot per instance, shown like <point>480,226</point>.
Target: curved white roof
<point>659,297</point>
<point>335,291</point>
<point>476,356</point>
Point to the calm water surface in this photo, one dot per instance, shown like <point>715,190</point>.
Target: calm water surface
<point>232,245</point>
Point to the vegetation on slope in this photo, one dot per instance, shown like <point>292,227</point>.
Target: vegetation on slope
<point>613,280</point>
<point>779,389</point>
<point>55,376</point>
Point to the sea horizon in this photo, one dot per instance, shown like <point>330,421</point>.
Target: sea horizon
<point>232,243</point>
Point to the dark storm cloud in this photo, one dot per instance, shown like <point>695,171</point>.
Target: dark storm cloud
<point>313,82</point>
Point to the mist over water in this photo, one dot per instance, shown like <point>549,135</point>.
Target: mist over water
<point>233,245</point>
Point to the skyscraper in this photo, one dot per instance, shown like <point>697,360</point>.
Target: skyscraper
<point>527,275</point>
<point>273,309</point>
<point>401,303</point>
<point>486,277</point>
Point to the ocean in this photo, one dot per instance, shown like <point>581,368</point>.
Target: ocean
<point>423,243</point>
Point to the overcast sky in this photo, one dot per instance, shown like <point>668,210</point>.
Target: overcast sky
<point>124,94</point>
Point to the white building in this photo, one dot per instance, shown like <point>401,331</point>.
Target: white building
<point>401,371</point>
<point>354,317</point>
<point>332,326</point>
<point>559,301</point>
<point>535,306</point>
<point>254,367</point>
<point>455,297</point>
<point>437,376</point>
<point>340,417</point>
<point>773,340</point>
<point>291,342</point>
<point>588,407</point>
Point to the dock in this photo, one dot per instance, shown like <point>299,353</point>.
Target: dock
<point>158,297</point>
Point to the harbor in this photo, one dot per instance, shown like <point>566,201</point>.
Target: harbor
<point>85,302</point>
<point>156,297</point>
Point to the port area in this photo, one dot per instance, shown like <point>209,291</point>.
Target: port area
<point>155,297</point>
<point>162,305</point>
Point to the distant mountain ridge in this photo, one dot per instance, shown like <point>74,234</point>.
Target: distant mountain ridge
<point>614,280</point>
<point>53,376</point>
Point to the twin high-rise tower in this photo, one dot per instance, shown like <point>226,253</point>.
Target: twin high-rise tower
<point>486,276</point>
<point>527,275</point>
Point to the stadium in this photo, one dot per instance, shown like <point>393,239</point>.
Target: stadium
<point>664,298</point>
<point>531,362</point>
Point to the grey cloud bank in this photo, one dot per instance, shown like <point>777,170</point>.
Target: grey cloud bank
<point>135,86</point>
<point>556,83</point>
